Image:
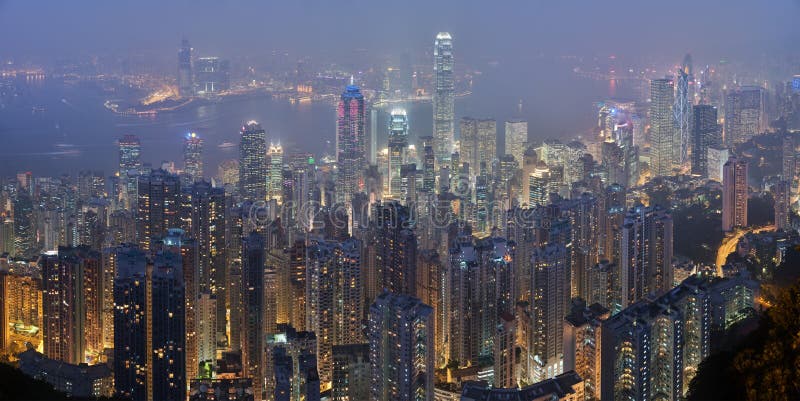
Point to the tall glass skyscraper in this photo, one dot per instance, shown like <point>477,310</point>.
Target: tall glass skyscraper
<point>398,145</point>
<point>253,162</point>
<point>443,97</point>
<point>350,144</point>
<point>662,96</point>
<point>682,110</point>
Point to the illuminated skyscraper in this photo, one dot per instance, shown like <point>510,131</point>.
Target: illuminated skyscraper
<point>516,139</point>
<point>550,287</point>
<point>662,127</point>
<point>734,194</point>
<point>253,162</point>
<point>582,345</point>
<point>443,97</point>
<point>478,143</point>
<point>428,165</point>
<point>254,324</point>
<point>401,349</point>
<point>130,323</point>
<point>682,111</point>
<point>192,158</point>
<point>744,114</point>
<point>275,186</point>
<point>398,145</point>
<point>185,84</point>
<point>781,193</point>
<point>72,301</point>
<point>351,144</point>
<point>705,133</point>
<point>130,167</point>
<point>159,206</point>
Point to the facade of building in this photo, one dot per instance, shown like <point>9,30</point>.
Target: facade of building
<point>705,133</point>
<point>443,97</point>
<point>662,126</point>
<point>734,194</point>
<point>351,145</point>
<point>253,162</point>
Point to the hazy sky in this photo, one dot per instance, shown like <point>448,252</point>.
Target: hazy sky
<point>482,29</point>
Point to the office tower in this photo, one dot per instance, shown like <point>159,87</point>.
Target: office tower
<point>351,146</point>
<point>662,97</point>
<point>682,112</point>
<point>351,372</point>
<point>398,144</point>
<point>428,165</point>
<point>614,163</point>
<point>159,206</point>
<point>717,157</point>
<point>292,365</point>
<point>550,284</point>
<point>539,185</point>
<point>564,387</point>
<point>705,133</point>
<point>744,114</point>
<point>72,305</point>
<point>734,194</point>
<point>401,349</point>
<point>645,253</point>
<point>789,162</point>
<point>443,97</point>
<point>781,193</point>
<point>254,314</point>
<point>582,345</point>
<point>185,83</point>
<point>130,166</point>
<point>192,158</point>
<point>478,142</point>
<point>372,149</point>
<point>516,139</point>
<point>505,361</point>
<point>408,184</point>
<point>212,75</point>
<point>228,174</point>
<point>253,162</point>
<point>275,172</point>
<point>6,233</point>
<point>395,245</point>
<point>335,298</point>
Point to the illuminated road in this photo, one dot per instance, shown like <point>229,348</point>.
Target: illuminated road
<point>729,244</point>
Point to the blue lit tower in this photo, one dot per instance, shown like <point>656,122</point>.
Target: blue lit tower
<point>443,97</point>
<point>350,144</point>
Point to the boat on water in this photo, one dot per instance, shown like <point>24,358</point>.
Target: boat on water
<point>226,145</point>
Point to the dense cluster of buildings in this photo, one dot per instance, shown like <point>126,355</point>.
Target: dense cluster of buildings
<point>441,270</point>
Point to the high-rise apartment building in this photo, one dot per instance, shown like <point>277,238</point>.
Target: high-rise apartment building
<point>645,253</point>
<point>734,194</point>
<point>159,206</point>
<point>401,352</point>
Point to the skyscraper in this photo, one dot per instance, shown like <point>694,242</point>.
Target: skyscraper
<point>705,133</point>
<point>253,162</point>
<point>550,287</point>
<point>192,158</point>
<point>734,194</point>
<point>398,144</point>
<point>443,97</point>
<point>130,167</point>
<point>159,206</point>
<point>212,75</point>
<point>185,84</point>
<point>645,253</point>
<point>682,111</point>
<point>401,349</point>
<point>130,323</point>
<point>781,193</point>
<point>254,324</point>
<point>744,114</point>
<point>478,143</point>
<point>72,305</point>
<point>662,97</point>
<point>351,372</point>
<point>275,186</point>
<point>516,139</point>
<point>351,146</point>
